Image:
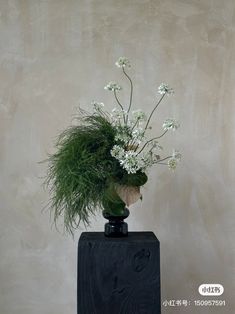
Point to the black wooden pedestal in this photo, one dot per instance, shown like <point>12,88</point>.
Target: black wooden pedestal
<point>118,275</point>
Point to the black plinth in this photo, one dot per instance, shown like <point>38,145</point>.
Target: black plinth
<point>118,275</point>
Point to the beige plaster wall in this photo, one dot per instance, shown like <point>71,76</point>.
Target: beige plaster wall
<point>57,54</point>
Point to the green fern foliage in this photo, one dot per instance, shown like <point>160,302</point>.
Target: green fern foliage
<point>82,170</point>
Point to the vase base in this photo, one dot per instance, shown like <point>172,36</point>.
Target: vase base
<point>115,229</point>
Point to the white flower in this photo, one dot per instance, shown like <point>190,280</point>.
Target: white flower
<point>97,105</point>
<point>172,163</point>
<point>133,161</point>
<point>122,137</point>
<point>170,124</point>
<point>122,62</point>
<point>123,134</point>
<point>174,160</point>
<point>176,154</point>
<point>139,115</point>
<point>130,162</point>
<point>116,114</point>
<point>165,89</point>
<point>112,86</point>
<point>146,160</point>
<point>117,152</point>
<point>138,135</point>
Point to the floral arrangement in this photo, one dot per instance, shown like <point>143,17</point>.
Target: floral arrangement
<point>102,162</point>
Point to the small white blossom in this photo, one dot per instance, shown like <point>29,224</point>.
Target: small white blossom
<point>146,160</point>
<point>117,115</point>
<point>117,152</point>
<point>172,163</point>
<point>122,137</point>
<point>130,162</point>
<point>138,135</point>
<point>123,134</point>
<point>97,105</point>
<point>174,160</point>
<point>122,62</point>
<point>176,154</point>
<point>165,89</point>
<point>112,86</point>
<point>170,124</point>
<point>139,115</point>
<point>118,112</point>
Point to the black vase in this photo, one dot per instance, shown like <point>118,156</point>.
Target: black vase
<point>116,227</point>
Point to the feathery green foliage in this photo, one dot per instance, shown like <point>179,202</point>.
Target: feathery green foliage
<point>81,172</point>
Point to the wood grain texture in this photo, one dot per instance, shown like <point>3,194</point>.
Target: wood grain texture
<point>118,275</point>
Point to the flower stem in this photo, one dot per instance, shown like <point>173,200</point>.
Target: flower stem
<point>136,123</point>
<point>115,95</point>
<point>154,110</point>
<point>160,160</point>
<point>155,138</point>
<point>131,93</point>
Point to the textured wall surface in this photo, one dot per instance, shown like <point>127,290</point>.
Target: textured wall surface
<point>57,54</point>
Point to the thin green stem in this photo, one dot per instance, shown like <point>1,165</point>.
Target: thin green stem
<point>160,160</point>
<point>149,141</point>
<point>161,135</point>
<point>106,114</point>
<point>135,124</point>
<point>131,93</point>
<point>154,110</point>
<point>121,106</point>
<point>115,95</point>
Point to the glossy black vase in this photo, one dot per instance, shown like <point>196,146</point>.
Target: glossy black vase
<point>116,227</point>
